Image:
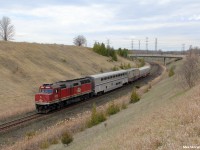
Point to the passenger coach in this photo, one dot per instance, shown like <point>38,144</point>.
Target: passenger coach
<point>105,82</point>
<point>133,74</point>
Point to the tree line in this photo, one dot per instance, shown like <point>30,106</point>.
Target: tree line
<point>108,51</point>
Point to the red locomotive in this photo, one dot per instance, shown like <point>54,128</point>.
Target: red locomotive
<point>56,95</point>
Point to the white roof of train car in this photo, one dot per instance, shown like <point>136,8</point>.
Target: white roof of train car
<point>145,67</point>
<point>107,74</point>
<point>131,69</point>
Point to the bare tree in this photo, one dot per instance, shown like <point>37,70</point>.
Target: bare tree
<point>189,72</point>
<point>6,29</point>
<point>80,40</point>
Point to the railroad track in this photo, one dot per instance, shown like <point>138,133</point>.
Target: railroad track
<point>14,123</point>
<point>17,122</point>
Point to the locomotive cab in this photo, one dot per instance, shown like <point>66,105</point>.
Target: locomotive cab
<point>44,97</point>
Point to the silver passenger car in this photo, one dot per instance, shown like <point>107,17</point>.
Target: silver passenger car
<point>105,82</point>
<point>133,74</point>
<point>144,71</point>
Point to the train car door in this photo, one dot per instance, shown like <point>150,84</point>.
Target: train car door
<point>77,88</point>
<point>71,91</point>
<point>57,94</point>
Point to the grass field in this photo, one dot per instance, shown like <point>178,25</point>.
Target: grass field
<point>25,66</point>
<point>167,117</point>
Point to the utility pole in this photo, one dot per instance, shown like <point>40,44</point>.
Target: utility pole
<point>108,43</point>
<point>190,50</point>
<point>147,44</point>
<point>132,44</point>
<point>156,44</point>
<point>183,47</point>
<point>139,44</point>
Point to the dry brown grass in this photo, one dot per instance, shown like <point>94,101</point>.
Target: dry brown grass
<point>43,138</point>
<point>25,66</point>
<point>169,127</point>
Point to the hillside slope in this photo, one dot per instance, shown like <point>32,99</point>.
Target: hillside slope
<point>25,66</point>
<point>166,117</point>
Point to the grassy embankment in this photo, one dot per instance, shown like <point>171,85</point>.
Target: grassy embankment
<point>25,66</point>
<point>167,117</point>
<point>51,135</point>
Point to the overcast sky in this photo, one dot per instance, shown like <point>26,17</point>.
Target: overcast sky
<point>172,22</point>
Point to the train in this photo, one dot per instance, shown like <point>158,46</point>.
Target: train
<point>62,93</point>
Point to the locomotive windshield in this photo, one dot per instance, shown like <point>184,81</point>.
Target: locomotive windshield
<point>49,91</point>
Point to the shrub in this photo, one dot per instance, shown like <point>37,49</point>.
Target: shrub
<point>66,138</point>
<point>101,70</point>
<point>124,106</point>
<point>137,86</point>
<point>134,97</point>
<point>45,144</point>
<point>123,52</point>
<point>112,109</point>
<point>96,117</point>
<point>171,71</point>
<point>121,66</point>
<point>125,66</point>
<point>30,134</point>
<point>141,62</point>
<point>63,60</point>
<point>115,68</point>
<point>54,141</point>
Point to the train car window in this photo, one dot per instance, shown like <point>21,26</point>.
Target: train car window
<point>75,84</point>
<point>62,86</point>
<point>56,91</point>
<point>87,81</point>
<point>46,91</point>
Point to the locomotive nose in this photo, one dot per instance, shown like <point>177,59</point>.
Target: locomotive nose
<point>42,98</point>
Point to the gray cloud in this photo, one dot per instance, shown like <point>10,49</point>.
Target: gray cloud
<point>59,21</point>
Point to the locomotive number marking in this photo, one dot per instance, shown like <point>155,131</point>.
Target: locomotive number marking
<point>78,90</point>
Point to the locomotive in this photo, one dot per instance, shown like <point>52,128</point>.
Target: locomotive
<point>59,94</point>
